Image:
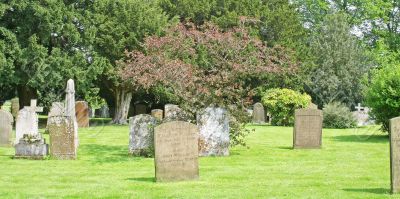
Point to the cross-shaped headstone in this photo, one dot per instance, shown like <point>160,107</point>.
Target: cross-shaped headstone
<point>34,106</point>
<point>359,107</point>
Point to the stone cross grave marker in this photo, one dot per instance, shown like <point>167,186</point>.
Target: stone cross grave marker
<point>176,151</point>
<point>6,121</point>
<point>395,155</point>
<point>307,131</point>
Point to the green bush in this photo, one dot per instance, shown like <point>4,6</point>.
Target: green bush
<point>383,94</point>
<point>281,104</point>
<point>338,115</point>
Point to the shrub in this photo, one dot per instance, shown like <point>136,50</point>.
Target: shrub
<point>338,115</point>
<point>281,104</point>
<point>383,94</point>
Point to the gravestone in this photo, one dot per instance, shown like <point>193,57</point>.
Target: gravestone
<point>103,112</point>
<point>70,107</point>
<point>62,137</point>
<point>213,126</point>
<point>27,121</point>
<point>82,114</point>
<point>258,113</point>
<point>140,109</point>
<point>15,107</point>
<point>157,113</point>
<point>307,131</point>
<point>395,155</point>
<point>172,112</point>
<point>31,147</point>
<point>362,115</point>
<point>6,121</point>
<point>57,109</point>
<point>141,136</point>
<point>176,151</point>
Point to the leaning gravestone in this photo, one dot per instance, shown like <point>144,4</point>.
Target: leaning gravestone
<point>157,113</point>
<point>213,125</point>
<point>15,107</point>
<point>176,151</point>
<point>258,113</point>
<point>395,154</point>
<point>6,121</point>
<point>141,136</point>
<point>62,137</point>
<point>31,147</point>
<point>82,113</point>
<point>307,132</point>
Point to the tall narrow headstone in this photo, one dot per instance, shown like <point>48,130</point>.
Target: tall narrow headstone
<point>141,136</point>
<point>70,107</point>
<point>395,155</point>
<point>6,121</point>
<point>176,152</point>
<point>82,114</point>
<point>307,131</point>
<point>214,139</point>
<point>15,107</point>
<point>258,113</point>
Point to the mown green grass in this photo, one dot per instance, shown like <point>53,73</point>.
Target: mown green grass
<point>351,164</point>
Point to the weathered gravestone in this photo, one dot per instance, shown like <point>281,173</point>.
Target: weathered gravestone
<point>172,112</point>
<point>57,109</point>
<point>82,113</point>
<point>395,155</point>
<point>15,107</point>
<point>176,151</point>
<point>27,121</point>
<point>157,113</point>
<point>140,109</point>
<point>6,121</point>
<point>62,137</point>
<point>141,136</point>
<point>70,107</point>
<point>362,115</point>
<point>307,131</point>
<point>258,113</point>
<point>213,125</point>
<point>31,147</point>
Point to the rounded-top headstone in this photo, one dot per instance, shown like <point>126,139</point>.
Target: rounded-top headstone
<point>6,121</point>
<point>258,113</point>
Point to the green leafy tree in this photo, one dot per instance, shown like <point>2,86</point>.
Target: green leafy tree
<point>338,63</point>
<point>282,103</point>
<point>111,27</point>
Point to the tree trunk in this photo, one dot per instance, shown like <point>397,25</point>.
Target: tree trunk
<point>25,94</point>
<point>122,102</point>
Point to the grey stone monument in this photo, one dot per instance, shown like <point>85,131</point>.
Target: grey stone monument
<point>70,107</point>
<point>213,125</point>
<point>395,155</point>
<point>258,113</point>
<point>6,121</point>
<point>141,136</point>
<point>62,140</point>
<point>27,121</point>
<point>176,151</point>
<point>31,147</point>
<point>307,132</point>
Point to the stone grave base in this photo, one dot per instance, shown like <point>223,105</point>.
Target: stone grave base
<point>31,148</point>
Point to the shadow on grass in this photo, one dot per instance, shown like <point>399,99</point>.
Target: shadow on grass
<point>104,153</point>
<point>370,190</point>
<point>362,138</point>
<point>142,179</point>
<point>286,147</point>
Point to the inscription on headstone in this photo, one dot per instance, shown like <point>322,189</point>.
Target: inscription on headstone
<point>62,137</point>
<point>395,154</point>
<point>176,151</point>
<point>307,132</point>
<point>6,121</point>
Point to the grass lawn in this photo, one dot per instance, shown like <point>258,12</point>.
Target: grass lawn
<point>351,164</point>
